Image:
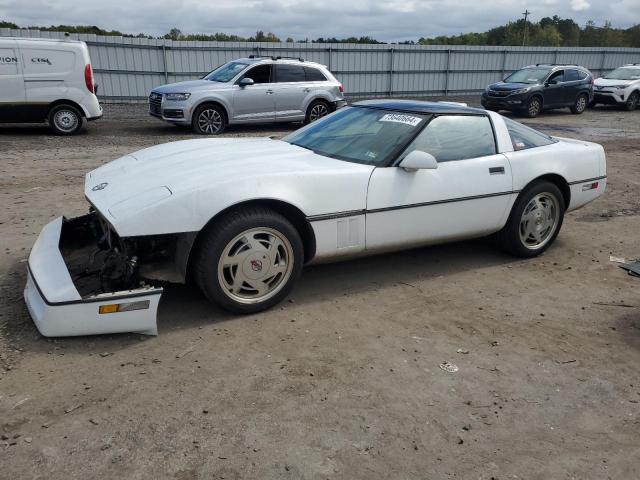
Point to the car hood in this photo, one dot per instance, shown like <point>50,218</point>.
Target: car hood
<point>606,82</point>
<point>191,86</point>
<point>177,170</point>
<point>503,86</point>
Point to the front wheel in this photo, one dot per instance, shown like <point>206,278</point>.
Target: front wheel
<point>632,102</point>
<point>534,222</point>
<point>534,107</point>
<point>581,104</point>
<point>249,260</point>
<point>65,120</point>
<point>209,120</point>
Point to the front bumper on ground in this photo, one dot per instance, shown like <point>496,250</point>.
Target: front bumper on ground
<point>57,307</point>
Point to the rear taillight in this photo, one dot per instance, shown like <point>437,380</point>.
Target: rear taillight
<point>88,77</point>
<point>341,88</point>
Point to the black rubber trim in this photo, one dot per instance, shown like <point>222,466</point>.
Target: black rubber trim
<point>588,180</point>
<point>352,213</point>
<point>440,202</point>
<point>155,291</point>
<point>332,216</point>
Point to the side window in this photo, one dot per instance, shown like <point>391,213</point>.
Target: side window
<point>314,75</point>
<point>523,137</point>
<point>259,74</point>
<point>557,77</point>
<point>456,137</point>
<point>572,76</point>
<point>289,73</point>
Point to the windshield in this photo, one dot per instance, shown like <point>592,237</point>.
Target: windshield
<point>226,72</point>
<point>624,73</point>
<point>528,75</point>
<point>359,134</point>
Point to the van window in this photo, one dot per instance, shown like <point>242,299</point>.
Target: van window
<point>456,137</point>
<point>8,61</point>
<point>45,61</point>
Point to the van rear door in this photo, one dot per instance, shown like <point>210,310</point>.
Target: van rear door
<point>47,71</point>
<point>12,94</point>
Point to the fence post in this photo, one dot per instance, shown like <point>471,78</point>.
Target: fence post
<point>164,61</point>
<point>391,72</point>
<point>446,73</point>
<point>555,57</point>
<point>329,62</point>
<point>603,62</point>
<point>504,63</point>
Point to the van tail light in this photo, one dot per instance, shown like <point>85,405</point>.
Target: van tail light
<point>88,77</point>
<point>341,88</point>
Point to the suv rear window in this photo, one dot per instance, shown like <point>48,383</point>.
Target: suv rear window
<point>290,73</point>
<point>523,137</point>
<point>314,75</point>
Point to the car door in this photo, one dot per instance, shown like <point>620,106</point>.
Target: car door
<point>12,94</point>
<point>468,194</point>
<point>554,90</point>
<point>255,102</point>
<point>573,85</point>
<point>291,90</point>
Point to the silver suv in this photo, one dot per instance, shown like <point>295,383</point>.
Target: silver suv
<point>250,90</point>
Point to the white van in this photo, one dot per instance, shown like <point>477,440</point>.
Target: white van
<point>47,80</point>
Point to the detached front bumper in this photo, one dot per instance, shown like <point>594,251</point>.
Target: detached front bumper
<point>56,305</point>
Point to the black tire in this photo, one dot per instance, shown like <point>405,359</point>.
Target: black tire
<point>510,237</point>
<point>632,101</point>
<point>317,109</point>
<point>221,238</point>
<point>534,107</point>
<point>580,104</point>
<point>65,120</point>
<point>209,119</point>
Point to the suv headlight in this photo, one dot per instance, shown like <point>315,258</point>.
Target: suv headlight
<point>521,90</point>
<point>621,87</point>
<point>177,97</point>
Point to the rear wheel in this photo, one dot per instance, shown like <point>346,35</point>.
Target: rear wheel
<point>534,107</point>
<point>534,222</point>
<point>65,120</point>
<point>632,101</point>
<point>317,109</point>
<point>581,104</point>
<point>209,119</point>
<point>249,261</point>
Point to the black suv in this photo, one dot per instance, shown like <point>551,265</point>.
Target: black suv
<point>539,87</point>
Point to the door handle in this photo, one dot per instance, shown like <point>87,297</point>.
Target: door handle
<point>307,90</point>
<point>269,92</point>
<point>496,170</point>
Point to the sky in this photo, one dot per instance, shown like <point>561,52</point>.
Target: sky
<point>387,20</point>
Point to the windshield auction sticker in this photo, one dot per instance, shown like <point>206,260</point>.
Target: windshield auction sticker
<point>398,118</point>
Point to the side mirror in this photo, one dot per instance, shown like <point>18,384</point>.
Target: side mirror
<point>419,160</point>
<point>246,81</point>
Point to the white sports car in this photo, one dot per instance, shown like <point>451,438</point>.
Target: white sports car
<point>240,217</point>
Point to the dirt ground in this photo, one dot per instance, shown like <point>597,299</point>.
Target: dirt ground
<point>342,381</point>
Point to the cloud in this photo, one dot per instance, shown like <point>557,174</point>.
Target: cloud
<point>580,5</point>
<point>388,20</point>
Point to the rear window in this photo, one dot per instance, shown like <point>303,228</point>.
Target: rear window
<point>523,137</point>
<point>314,75</point>
<point>290,73</point>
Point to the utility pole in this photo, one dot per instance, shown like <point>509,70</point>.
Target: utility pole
<point>526,13</point>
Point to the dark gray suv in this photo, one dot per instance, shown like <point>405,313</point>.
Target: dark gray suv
<point>539,87</point>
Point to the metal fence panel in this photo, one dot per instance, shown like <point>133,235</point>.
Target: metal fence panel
<point>126,69</point>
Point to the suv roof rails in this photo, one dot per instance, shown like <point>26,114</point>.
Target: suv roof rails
<point>557,64</point>
<point>272,57</point>
<point>628,64</point>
